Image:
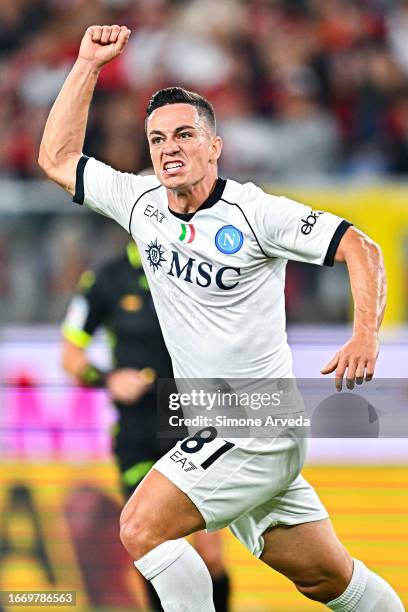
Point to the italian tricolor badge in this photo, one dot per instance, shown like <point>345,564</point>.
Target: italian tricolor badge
<point>187,232</point>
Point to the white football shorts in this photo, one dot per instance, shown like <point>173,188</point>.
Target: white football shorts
<point>248,488</point>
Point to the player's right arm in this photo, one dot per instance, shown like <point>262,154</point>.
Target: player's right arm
<point>64,133</point>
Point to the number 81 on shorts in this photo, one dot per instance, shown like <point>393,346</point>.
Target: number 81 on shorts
<point>204,447</point>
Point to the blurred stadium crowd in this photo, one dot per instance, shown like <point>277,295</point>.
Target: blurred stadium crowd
<point>304,90</point>
<point>299,86</point>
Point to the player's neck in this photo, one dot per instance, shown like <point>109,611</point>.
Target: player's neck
<point>189,199</point>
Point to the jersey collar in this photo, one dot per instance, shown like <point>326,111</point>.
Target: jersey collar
<point>212,199</point>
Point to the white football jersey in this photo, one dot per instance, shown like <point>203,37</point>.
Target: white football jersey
<point>217,276</point>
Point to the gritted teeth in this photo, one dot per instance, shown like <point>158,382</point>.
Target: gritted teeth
<point>172,165</point>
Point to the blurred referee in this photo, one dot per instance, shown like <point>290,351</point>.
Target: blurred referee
<point>118,298</point>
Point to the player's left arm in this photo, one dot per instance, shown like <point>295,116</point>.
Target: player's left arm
<point>365,266</point>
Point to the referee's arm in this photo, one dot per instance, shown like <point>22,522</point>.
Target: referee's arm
<point>365,266</point>
<point>74,360</point>
<point>86,313</point>
<point>125,385</point>
<point>64,133</point>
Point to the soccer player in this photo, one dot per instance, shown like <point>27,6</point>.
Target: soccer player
<point>118,298</point>
<point>215,253</point>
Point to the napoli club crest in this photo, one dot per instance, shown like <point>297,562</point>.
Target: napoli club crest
<point>229,239</point>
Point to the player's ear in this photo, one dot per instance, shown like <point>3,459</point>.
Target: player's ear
<point>216,148</point>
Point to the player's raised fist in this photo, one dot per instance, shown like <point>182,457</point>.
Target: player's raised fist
<point>101,44</point>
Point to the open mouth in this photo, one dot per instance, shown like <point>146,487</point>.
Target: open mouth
<point>172,167</point>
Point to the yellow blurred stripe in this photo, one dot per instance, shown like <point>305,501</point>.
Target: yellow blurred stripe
<point>368,506</point>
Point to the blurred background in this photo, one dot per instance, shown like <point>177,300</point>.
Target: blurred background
<point>311,98</point>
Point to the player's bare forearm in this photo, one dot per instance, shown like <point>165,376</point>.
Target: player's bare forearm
<point>365,265</point>
<point>64,132</point>
<point>368,285</point>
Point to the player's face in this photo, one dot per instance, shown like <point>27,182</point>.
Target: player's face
<point>182,146</point>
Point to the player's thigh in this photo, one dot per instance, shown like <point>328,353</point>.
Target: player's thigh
<point>158,506</point>
<point>307,553</point>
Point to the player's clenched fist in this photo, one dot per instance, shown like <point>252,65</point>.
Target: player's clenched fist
<point>101,44</point>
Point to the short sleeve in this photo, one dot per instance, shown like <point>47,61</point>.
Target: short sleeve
<point>86,311</point>
<point>109,192</point>
<point>291,230</point>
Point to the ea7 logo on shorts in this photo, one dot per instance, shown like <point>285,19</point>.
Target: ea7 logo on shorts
<point>187,466</point>
<point>229,239</point>
<point>310,221</point>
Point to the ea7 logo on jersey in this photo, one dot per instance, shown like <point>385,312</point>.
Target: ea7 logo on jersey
<point>203,272</point>
<point>154,213</point>
<point>310,221</point>
<point>229,239</point>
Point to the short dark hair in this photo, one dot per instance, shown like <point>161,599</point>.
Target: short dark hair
<point>179,95</point>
